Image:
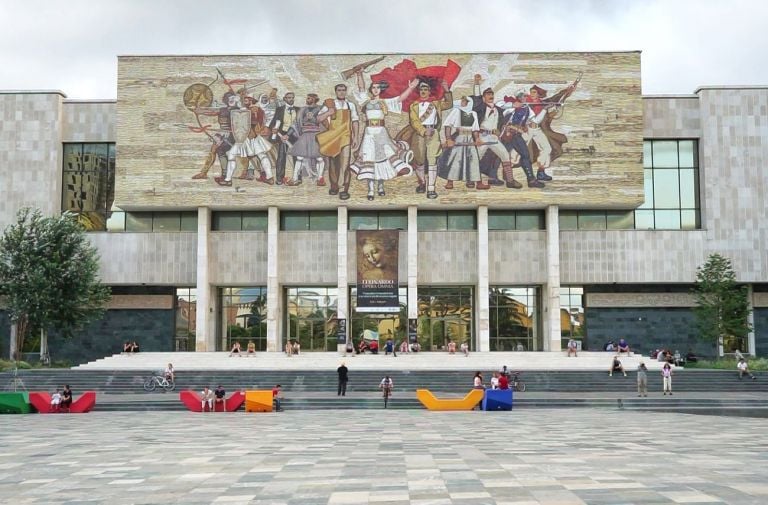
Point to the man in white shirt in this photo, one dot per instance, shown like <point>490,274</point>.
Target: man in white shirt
<point>744,369</point>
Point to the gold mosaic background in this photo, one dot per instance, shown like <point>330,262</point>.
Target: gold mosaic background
<point>158,153</point>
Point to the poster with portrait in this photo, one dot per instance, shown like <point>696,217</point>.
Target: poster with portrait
<point>377,259</point>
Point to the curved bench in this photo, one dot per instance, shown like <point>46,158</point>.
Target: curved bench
<point>14,403</point>
<point>431,402</point>
<point>497,399</point>
<point>193,401</point>
<point>41,401</point>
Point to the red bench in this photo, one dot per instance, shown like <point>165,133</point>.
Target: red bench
<point>193,401</point>
<point>41,401</point>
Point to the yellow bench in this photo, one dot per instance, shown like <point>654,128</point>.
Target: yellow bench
<point>258,401</point>
<point>431,402</point>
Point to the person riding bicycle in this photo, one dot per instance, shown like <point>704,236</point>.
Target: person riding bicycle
<point>386,385</point>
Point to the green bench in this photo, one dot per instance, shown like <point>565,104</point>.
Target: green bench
<point>14,403</point>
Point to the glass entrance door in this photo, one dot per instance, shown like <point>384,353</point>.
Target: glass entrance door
<point>311,317</point>
<point>382,325</point>
<point>445,314</point>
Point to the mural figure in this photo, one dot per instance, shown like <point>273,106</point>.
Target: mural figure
<point>379,158</point>
<point>459,160</point>
<point>425,116</point>
<point>222,141</point>
<point>339,139</point>
<point>306,149</point>
<point>282,137</point>
<point>256,145</point>
<point>516,115</point>
<point>491,118</point>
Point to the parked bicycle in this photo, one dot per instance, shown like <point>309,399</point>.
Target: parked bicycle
<point>158,380</point>
<point>515,383</point>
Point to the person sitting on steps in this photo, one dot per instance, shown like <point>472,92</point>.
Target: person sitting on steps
<point>572,346</point>
<point>623,347</point>
<point>235,349</point>
<point>251,350</point>
<point>616,366</point>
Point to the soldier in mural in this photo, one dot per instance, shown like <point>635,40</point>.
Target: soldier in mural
<point>282,137</point>
<point>221,142</point>
<point>379,158</point>
<point>306,149</point>
<point>425,117</point>
<point>512,138</point>
<point>256,145</point>
<point>339,139</point>
<point>459,160</point>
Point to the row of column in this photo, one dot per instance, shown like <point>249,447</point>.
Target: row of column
<point>207,300</point>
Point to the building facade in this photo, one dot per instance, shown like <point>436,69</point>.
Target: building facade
<point>217,203</point>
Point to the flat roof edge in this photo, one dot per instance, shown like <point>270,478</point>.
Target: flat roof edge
<point>695,97</point>
<point>398,53</point>
<point>95,100</point>
<point>32,92</point>
<point>743,86</point>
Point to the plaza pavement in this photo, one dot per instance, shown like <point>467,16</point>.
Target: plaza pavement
<point>547,457</point>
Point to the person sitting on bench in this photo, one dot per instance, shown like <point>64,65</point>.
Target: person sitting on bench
<point>56,401</point>
<point>220,393</point>
<point>374,347</point>
<point>206,397</point>
<point>66,398</point>
<point>362,347</point>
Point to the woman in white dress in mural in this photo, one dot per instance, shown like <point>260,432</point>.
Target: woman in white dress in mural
<point>379,157</point>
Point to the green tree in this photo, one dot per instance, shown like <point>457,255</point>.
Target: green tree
<point>49,277</point>
<point>722,307</point>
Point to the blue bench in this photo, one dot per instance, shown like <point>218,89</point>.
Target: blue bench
<point>497,399</point>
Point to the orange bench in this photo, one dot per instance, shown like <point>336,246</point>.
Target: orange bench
<point>431,402</point>
<point>193,401</point>
<point>41,401</point>
<point>258,401</point>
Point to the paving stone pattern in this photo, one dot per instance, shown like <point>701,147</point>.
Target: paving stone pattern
<point>547,457</point>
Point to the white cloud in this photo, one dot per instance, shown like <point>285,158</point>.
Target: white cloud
<point>73,45</point>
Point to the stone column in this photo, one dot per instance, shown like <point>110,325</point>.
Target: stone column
<point>482,312</point>
<point>342,308</point>
<point>751,320</point>
<point>413,262</point>
<point>205,317</point>
<point>273,284</point>
<point>551,297</point>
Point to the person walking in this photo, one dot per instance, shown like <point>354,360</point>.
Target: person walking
<point>666,375</point>
<point>642,380</point>
<point>343,372</point>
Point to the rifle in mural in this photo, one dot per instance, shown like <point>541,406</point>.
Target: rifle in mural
<point>346,74</point>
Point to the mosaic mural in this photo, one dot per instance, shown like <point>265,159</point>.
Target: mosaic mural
<point>500,129</point>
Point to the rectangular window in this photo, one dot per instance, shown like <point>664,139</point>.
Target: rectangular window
<point>239,221</point>
<point>88,184</point>
<point>321,220</point>
<point>294,221</point>
<point>671,179</point>
<point>372,220</point>
<point>432,220</point>
<point>515,220</point>
<point>138,221</point>
<point>529,220</point>
<point>153,221</point>
<point>462,220</point>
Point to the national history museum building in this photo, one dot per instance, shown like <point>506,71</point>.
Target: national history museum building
<point>508,200</point>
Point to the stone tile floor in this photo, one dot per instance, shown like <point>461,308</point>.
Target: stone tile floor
<point>547,457</point>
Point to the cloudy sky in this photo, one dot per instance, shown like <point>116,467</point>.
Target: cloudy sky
<point>73,45</point>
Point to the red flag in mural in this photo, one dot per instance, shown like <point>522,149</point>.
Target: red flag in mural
<point>398,77</point>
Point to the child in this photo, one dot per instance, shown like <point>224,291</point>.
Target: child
<point>55,401</point>
<point>276,397</point>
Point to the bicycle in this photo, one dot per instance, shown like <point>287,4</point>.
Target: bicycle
<point>159,381</point>
<point>387,392</point>
<point>515,383</point>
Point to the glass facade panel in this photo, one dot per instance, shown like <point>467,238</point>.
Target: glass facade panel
<point>689,156</point>
<point>568,220</point>
<point>529,220</point>
<point>227,221</point>
<point>501,219</point>
<point>116,222</point>
<point>186,314</point>
<point>138,221</point>
<point>255,221</point>
<point>395,220</point>
<point>666,189</point>
<point>648,188</point>
<point>689,190</point>
<point>311,317</point>
<point>432,221</point>
<point>445,314</point>
<point>620,220</point>
<point>647,155</point>
<point>667,219</point>
<point>665,154</point>
<point>88,183</point>
<point>323,220</point>
<point>572,320</point>
<point>243,318</point>
<point>294,221</point>
<point>366,221</point>
<point>644,220</point>
<point>379,325</point>
<point>166,221</point>
<point>589,220</point>
<point>689,220</point>
<point>463,220</point>
<point>189,221</point>
<point>514,319</point>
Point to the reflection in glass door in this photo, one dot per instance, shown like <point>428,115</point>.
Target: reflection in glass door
<point>385,325</point>
<point>242,318</point>
<point>311,317</point>
<point>445,314</point>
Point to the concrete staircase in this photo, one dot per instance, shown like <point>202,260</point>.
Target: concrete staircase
<point>535,361</point>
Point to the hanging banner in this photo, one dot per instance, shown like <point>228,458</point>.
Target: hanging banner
<point>377,259</point>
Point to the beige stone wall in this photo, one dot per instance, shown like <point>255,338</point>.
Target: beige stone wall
<point>30,152</point>
<point>89,121</point>
<point>159,153</point>
<point>517,258</point>
<point>140,302</point>
<point>447,257</point>
<point>238,258</point>
<point>671,117</point>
